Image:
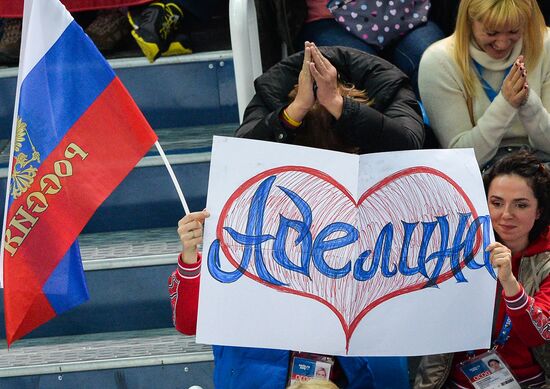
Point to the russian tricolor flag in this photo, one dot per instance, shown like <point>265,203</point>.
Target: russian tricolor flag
<point>76,134</point>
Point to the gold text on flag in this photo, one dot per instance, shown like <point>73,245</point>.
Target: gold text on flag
<point>26,216</point>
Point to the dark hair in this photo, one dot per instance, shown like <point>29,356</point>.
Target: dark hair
<point>493,360</point>
<point>318,126</point>
<point>526,165</point>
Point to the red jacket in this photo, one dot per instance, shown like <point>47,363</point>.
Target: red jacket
<point>530,317</point>
<point>183,286</point>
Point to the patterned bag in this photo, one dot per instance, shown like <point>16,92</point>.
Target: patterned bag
<point>379,22</point>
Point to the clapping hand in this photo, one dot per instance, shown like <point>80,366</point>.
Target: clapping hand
<point>316,68</point>
<point>305,98</point>
<point>326,78</point>
<point>515,88</point>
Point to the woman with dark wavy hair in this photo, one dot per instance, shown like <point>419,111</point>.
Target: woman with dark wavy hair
<point>526,167</point>
<point>518,195</point>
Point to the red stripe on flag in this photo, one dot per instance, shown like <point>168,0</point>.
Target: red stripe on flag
<point>29,308</point>
<point>114,135</point>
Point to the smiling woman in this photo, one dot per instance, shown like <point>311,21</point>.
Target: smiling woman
<point>518,191</point>
<point>497,42</point>
<point>488,85</point>
<point>514,210</point>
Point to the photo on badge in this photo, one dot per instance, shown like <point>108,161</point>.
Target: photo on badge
<point>488,371</point>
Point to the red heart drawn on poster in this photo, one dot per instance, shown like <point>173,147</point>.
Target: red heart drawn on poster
<point>299,231</point>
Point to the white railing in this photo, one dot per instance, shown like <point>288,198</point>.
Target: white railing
<point>245,44</point>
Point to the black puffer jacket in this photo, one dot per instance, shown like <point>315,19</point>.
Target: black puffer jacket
<point>279,21</point>
<point>392,122</point>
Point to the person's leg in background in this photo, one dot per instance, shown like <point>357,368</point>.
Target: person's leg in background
<point>201,9</point>
<point>158,28</point>
<point>327,32</point>
<point>10,41</point>
<point>109,29</point>
<point>409,50</point>
<point>155,29</point>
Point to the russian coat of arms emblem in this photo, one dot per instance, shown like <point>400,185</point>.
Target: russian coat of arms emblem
<point>23,172</point>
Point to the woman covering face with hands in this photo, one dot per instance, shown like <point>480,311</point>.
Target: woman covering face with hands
<point>335,98</point>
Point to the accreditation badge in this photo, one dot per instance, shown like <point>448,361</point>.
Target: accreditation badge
<point>488,371</point>
<point>306,366</point>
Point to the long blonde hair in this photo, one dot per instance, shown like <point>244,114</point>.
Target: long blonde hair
<point>496,14</point>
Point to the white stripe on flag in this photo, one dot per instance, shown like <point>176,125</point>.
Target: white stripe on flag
<point>39,32</point>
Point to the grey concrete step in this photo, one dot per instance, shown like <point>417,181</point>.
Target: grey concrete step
<point>111,350</point>
<point>131,248</point>
<point>182,91</point>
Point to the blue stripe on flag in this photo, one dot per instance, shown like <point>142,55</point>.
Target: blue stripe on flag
<point>61,87</point>
<point>66,287</point>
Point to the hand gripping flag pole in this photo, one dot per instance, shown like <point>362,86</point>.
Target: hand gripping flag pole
<point>76,134</point>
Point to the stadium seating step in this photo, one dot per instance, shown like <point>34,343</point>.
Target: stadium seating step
<point>81,359</point>
<point>173,92</point>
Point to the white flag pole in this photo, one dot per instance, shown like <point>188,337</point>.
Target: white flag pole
<point>173,177</point>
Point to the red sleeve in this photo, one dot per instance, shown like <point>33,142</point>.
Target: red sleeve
<point>183,286</point>
<point>530,315</point>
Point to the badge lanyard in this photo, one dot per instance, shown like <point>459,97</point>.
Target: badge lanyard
<point>503,335</point>
<point>489,91</point>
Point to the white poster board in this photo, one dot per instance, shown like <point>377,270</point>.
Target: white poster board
<point>340,254</point>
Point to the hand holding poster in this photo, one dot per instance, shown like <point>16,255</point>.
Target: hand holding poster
<point>320,251</point>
